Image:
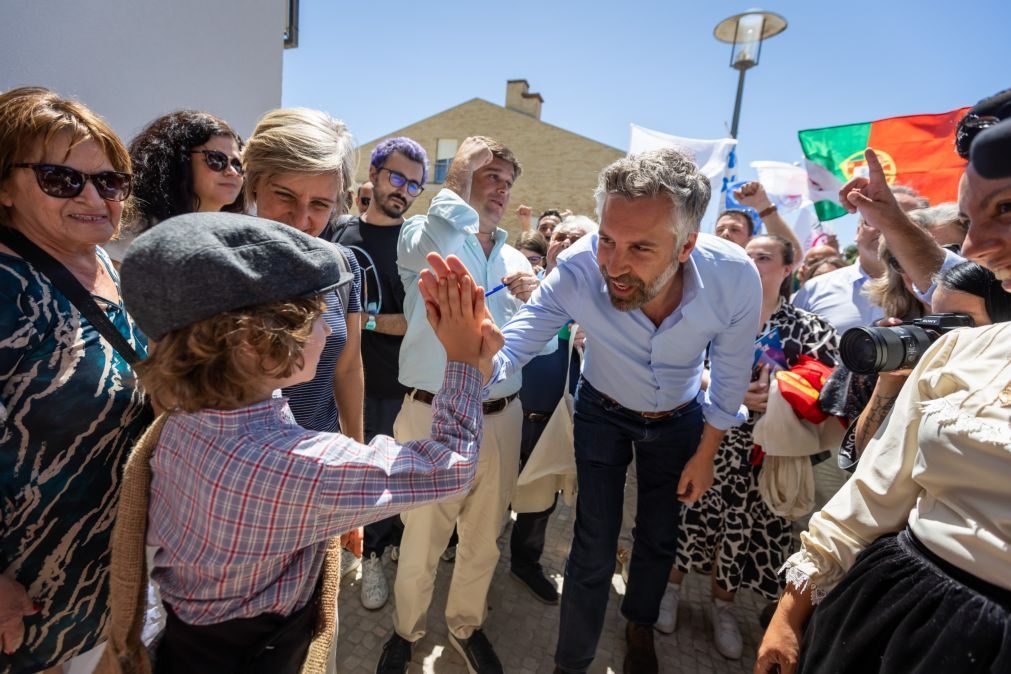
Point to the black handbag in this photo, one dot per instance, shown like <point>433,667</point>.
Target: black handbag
<point>71,288</point>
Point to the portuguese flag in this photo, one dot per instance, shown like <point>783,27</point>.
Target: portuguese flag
<point>917,150</point>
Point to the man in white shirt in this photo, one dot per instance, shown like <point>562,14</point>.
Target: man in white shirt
<point>462,221</point>
<point>838,296</point>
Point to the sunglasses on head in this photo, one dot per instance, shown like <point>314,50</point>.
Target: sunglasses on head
<point>219,161</point>
<point>970,127</point>
<point>64,182</point>
<point>398,179</point>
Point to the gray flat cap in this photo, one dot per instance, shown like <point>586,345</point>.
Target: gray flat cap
<point>194,266</point>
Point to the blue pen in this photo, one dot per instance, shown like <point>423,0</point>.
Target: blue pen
<point>495,289</point>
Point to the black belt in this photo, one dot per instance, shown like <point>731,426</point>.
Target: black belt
<point>536,417</point>
<point>489,406</point>
<point>646,415</point>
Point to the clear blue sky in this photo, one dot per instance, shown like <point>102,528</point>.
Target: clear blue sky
<point>380,66</point>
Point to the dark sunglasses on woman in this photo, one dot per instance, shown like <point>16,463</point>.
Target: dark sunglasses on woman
<point>64,182</point>
<point>219,161</point>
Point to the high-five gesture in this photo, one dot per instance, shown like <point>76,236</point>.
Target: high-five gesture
<point>457,313</point>
<point>472,154</point>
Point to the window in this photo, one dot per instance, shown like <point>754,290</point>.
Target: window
<point>445,149</point>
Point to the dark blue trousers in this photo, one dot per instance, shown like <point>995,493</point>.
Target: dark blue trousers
<point>380,413</point>
<point>607,438</point>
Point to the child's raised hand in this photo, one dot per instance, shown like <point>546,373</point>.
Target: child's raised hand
<point>456,315</point>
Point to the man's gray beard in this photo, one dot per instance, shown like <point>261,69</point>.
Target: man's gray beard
<point>643,295</point>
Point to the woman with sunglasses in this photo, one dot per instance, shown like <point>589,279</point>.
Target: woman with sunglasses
<point>184,162</point>
<point>69,404</point>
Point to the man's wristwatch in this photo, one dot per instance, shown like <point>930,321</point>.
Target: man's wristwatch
<point>767,211</point>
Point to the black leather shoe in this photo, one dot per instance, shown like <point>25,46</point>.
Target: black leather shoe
<point>640,656</point>
<point>396,656</point>
<point>477,653</point>
<point>540,587</point>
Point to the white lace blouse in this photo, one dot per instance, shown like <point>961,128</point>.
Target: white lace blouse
<point>941,463</point>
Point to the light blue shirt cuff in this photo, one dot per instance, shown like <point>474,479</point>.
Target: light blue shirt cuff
<point>950,260</point>
<point>448,205</point>
<point>719,419</point>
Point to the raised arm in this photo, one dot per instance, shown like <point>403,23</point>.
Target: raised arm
<point>752,194</point>
<point>450,218</point>
<point>916,251</point>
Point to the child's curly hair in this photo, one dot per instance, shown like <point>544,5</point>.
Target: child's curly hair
<point>219,362</point>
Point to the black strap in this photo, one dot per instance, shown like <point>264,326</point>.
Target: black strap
<point>71,288</point>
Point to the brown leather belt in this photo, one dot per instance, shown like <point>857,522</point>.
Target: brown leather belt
<point>489,406</point>
<point>647,415</point>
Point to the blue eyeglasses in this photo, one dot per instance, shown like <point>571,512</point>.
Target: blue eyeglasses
<point>398,179</point>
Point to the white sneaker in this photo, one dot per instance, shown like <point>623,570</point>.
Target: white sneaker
<point>449,554</point>
<point>349,562</point>
<point>394,553</point>
<point>667,621</point>
<point>625,559</point>
<point>375,589</point>
<point>726,633</point>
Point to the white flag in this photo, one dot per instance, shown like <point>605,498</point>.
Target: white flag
<point>789,188</point>
<point>709,155</point>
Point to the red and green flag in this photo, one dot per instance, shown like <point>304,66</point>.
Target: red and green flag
<point>916,150</point>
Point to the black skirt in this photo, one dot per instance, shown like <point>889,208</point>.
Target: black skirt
<point>903,609</point>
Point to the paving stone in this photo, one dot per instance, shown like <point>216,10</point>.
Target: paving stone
<point>524,631</point>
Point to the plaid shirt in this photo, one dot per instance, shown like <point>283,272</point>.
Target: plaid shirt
<point>243,501</point>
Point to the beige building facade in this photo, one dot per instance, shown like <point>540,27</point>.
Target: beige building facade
<point>560,168</point>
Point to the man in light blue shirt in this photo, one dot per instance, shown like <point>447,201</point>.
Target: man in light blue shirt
<point>652,294</point>
<point>462,221</point>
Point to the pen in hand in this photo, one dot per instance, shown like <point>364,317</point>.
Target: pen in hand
<point>495,289</point>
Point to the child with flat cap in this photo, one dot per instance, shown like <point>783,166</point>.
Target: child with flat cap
<point>239,501</point>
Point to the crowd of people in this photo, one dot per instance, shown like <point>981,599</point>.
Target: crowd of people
<point>220,391</point>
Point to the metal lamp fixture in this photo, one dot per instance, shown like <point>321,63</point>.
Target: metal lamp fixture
<point>746,32</point>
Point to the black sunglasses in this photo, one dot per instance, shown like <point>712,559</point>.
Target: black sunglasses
<point>64,182</point>
<point>366,201</point>
<point>219,161</point>
<point>398,179</point>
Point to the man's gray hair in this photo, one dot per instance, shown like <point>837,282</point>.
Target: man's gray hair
<point>581,221</point>
<point>921,201</point>
<point>935,216</point>
<point>666,172</point>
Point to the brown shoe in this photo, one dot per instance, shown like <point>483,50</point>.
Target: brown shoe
<point>640,656</point>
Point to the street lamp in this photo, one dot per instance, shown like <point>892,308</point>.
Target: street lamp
<point>746,32</point>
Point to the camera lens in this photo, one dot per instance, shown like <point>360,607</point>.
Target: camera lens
<point>870,350</point>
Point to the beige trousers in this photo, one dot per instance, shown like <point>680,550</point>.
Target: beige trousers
<point>477,516</point>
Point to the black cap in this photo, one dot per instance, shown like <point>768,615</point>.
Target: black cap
<point>195,266</point>
<point>990,155</point>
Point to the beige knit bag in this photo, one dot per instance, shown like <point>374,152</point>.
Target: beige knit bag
<point>124,651</point>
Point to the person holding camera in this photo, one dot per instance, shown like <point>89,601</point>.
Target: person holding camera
<point>907,564</point>
<point>967,290</point>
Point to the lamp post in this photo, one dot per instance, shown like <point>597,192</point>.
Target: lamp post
<point>746,32</point>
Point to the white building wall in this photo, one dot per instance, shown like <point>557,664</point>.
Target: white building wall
<point>133,60</point>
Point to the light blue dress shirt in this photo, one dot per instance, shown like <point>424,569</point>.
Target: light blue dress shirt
<point>627,358</point>
<point>449,229</point>
<point>839,298</point>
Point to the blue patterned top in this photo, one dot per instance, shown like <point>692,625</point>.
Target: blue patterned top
<point>69,412</point>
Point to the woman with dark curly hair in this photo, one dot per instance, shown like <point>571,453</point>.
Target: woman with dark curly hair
<point>183,162</point>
